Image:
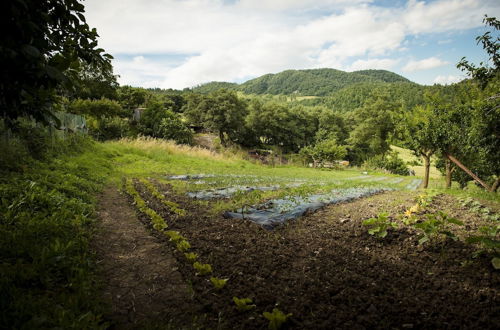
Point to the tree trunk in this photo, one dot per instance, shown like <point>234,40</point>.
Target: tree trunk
<point>449,171</point>
<point>466,170</point>
<point>427,165</point>
<point>221,137</point>
<point>495,185</point>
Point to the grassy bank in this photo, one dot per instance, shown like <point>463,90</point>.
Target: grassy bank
<point>47,210</point>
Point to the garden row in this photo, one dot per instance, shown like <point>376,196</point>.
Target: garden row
<point>276,318</point>
<point>433,226</point>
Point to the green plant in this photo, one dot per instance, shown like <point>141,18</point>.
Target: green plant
<point>174,236</point>
<point>183,246</point>
<point>436,224</point>
<point>191,256</point>
<point>174,207</point>
<point>379,225</point>
<point>157,221</point>
<point>202,269</point>
<point>276,319</point>
<point>218,283</point>
<point>490,243</point>
<point>243,304</point>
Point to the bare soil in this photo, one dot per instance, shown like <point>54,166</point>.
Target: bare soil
<point>142,284</point>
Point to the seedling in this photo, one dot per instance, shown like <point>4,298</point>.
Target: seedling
<point>183,246</point>
<point>174,236</point>
<point>157,221</point>
<point>436,225</point>
<point>174,207</point>
<point>276,319</point>
<point>202,269</point>
<point>191,256</point>
<point>243,304</point>
<point>379,225</point>
<point>218,283</point>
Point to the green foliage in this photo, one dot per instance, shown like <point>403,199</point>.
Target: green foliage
<point>221,111</point>
<point>174,207</point>
<point>318,82</point>
<point>325,151</point>
<point>183,246</point>
<point>490,243</point>
<point>243,304</point>
<point>191,256</point>
<point>47,40</point>
<point>374,125</point>
<point>218,283</point>
<point>391,163</point>
<point>156,220</point>
<point>156,121</point>
<point>214,86</point>
<point>491,44</point>
<point>276,319</point>
<point>174,236</point>
<point>97,108</point>
<point>108,128</point>
<point>378,226</point>
<point>277,124</point>
<point>436,225</point>
<point>202,269</point>
<point>131,97</point>
<point>46,214</point>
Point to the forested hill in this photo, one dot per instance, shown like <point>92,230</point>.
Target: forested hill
<point>314,82</point>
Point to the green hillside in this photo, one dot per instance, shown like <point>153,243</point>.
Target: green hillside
<point>312,82</point>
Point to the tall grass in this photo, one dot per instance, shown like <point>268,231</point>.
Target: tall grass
<point>150,144</point>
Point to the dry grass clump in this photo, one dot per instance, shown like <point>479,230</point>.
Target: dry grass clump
<point>154,144</point>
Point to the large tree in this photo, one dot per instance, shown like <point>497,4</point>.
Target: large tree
<point>221,111</point>
<point>373,127</point>
<point>43,44</point>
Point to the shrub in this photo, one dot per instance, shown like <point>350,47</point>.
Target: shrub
<point>391,163</point>
<point>156,121</point>
<point>108,128</point>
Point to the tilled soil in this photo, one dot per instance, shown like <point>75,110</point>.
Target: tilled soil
<point>328,272</point>
<point>141,281</point>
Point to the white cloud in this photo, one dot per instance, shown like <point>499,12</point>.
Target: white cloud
<point>380,64</point>
<point>247,38</point>
<point>446,80</point>
<point>425,64</point>
<point>445,15</point>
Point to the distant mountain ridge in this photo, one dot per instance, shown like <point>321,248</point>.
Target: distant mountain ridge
<point>310,82</point>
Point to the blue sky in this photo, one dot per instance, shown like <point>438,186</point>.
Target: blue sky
<point>183,43</point>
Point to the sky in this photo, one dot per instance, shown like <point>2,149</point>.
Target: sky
<point>184,43</point>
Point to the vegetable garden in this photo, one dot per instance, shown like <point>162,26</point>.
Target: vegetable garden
<point>353,251</point>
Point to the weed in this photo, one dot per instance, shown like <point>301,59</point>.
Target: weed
<point>243,304</point>
<point>379,225</point>
<point>436,224</point>
<point>218,283</point>
<point>202,269</point>
<point>276,319</point>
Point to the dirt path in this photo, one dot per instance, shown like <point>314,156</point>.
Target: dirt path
<point>141,280</point>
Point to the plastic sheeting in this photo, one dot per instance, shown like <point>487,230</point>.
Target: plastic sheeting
<point>413,185</point>
<point>228,192</point>
<point>277,211</point>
